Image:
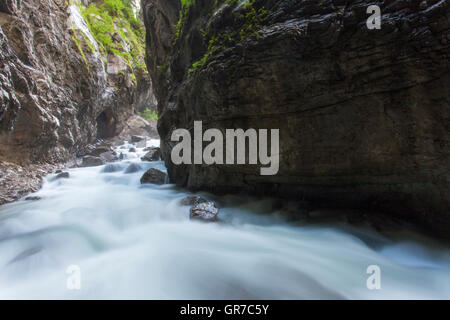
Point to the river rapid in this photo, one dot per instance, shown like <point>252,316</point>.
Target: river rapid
<point>133,241</point>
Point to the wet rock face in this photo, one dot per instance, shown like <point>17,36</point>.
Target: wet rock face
<point>56,94</point>
<point>9,6</point>
<point>133,168</point>
<point>160,17</point>
<point>62,175</point>
<point>363,114</point>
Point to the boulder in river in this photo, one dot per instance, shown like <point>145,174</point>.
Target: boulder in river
<point>192,201</point>
<point>133,150</point>
<point>132,168</point>
<point>90,161</point>
<point>154,176</point>
<point>153,154</point>
<point>206,211</point>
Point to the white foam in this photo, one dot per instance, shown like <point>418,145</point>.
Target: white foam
<point>137,242</point>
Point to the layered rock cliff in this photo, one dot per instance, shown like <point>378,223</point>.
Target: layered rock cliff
<point>71,72</point>
<point>363,114</point>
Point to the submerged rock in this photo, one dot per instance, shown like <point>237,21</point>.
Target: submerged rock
<point>110,168</point>
<point>34,198</point>
<point>154,176</point>
<point>85,150</point>
<point>206,211</point>
<point>153,154</point>
<point>192,201</point>
<point>90,161</point>
<point>62,175</point>
<point>132,168</point>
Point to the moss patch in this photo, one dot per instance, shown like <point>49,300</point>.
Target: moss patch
<point>149,115</point>
<point>117,31</point>
<point>249,20</point>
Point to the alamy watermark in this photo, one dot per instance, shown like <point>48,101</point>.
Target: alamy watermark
<point>74,277</point>
<point>374,280</point>
<point>374,21</point>
<point>234,152</point>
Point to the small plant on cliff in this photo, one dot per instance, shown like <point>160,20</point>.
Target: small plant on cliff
<point>77,42</point>
<point>254,20</point>
<point>149,115</point>
<point>215,45</point>
<point>185,5</point>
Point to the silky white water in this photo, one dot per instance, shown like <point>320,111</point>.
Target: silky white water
<point>136,242</point>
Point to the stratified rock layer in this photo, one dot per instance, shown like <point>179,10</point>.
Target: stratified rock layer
<point>364,115</point>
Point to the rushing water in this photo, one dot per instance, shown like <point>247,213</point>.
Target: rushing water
<point>137,242</point>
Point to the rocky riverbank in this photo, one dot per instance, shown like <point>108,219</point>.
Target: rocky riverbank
<point>72,73</point>
<point>17,181</point>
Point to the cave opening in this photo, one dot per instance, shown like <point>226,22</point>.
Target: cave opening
<point>106,124</point>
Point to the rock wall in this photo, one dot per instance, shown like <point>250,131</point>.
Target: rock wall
<point>364,115</point>
<point>60,89</point>
<point>55,83</point>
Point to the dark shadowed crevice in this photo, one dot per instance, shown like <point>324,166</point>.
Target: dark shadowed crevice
<point>9,6</point>
<point>106,124</point>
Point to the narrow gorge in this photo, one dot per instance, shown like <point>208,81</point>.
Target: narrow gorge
<point>92,93</point>
<point>72,72</point>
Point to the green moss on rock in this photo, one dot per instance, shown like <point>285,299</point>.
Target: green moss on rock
<point>117,31</point>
